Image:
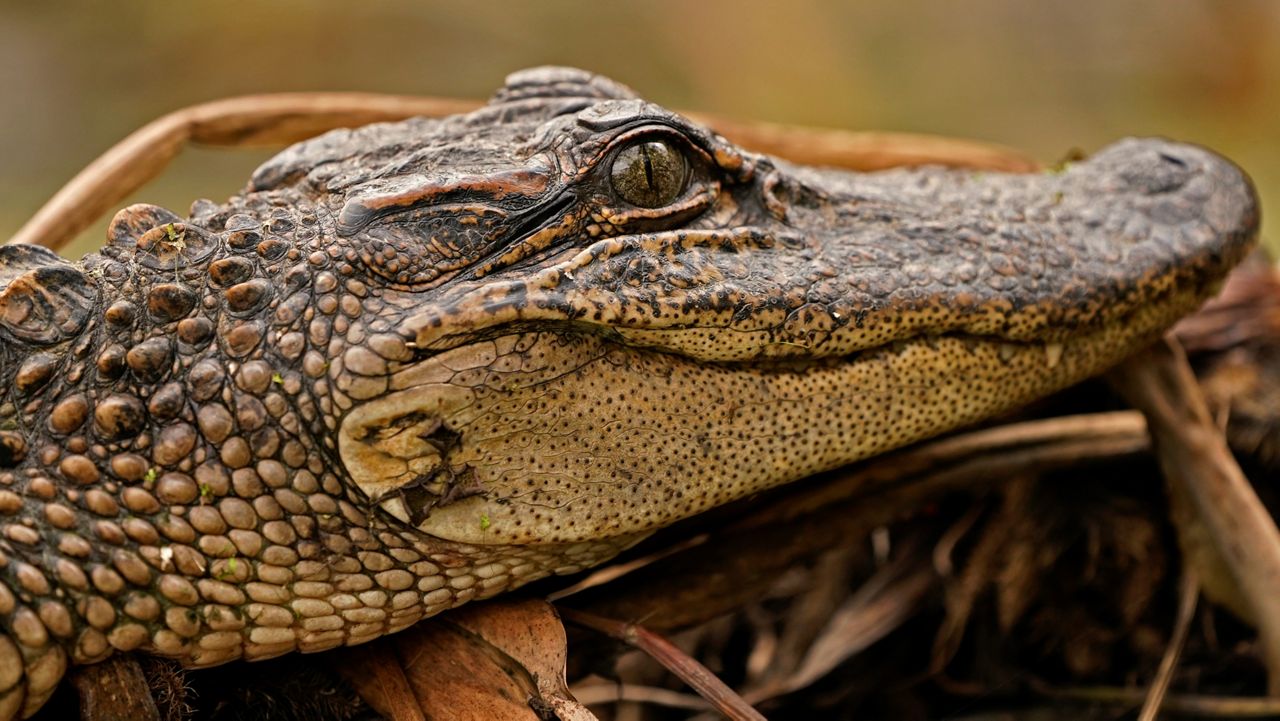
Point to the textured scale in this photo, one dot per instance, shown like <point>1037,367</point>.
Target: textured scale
<point>421,363</point>
<point>43,299</point>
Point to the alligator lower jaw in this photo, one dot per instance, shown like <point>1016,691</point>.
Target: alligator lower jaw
<point>556,435</point>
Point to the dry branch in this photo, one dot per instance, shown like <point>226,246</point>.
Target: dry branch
<point>279,119</point>
<point>1197,462</point>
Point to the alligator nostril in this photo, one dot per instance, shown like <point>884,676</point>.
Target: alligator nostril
<point>1157,172</point>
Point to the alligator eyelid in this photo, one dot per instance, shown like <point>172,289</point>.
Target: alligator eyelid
<point>658,129</point>
<point>361,211</point>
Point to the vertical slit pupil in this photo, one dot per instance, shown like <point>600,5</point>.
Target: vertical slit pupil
<point>649,174</point>
<point>646,151</point>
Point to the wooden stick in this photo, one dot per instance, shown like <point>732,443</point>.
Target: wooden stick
<point>1188,592</point>
<point>867,150</point>
<point>279,119</point>
<point>847,504</point>
<point>1196,461</point>
<point>989,453</point>
<point>1218,707</point>
<point>673,659</point>
<point>598,694</point>
<point>243,121</point>
<point>115,689</point>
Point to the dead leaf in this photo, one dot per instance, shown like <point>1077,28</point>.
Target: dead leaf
<point>497,661</point>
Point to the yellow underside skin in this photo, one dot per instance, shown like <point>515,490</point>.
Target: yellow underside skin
<point>575,438</point>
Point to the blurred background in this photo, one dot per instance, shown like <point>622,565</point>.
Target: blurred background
<point>1046,76</point>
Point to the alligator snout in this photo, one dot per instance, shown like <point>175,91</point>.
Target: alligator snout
<point>1154,218</point>
<point>909,301</point>
<point>1157,166</point>
<point>1176,183</point>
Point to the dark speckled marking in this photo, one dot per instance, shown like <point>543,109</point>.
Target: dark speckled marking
<point>421,363</point>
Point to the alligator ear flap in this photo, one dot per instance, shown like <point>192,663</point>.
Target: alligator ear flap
<point>559,82</point>
<point>134,221</point>
<point>43,300</point>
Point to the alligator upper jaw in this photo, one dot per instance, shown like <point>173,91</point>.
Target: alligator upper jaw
<point>863,260</point>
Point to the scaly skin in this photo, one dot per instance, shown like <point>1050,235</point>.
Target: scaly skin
<point>421,363</point>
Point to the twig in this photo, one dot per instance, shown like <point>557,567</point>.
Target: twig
<point>603,693</point>
<point>1246,310</point>
<point>812,612</point>
<point>249,120</point>
<point>820,515</point>
<point>989,454</point>
<point>1188,592</point>
<point>867,150</point>
<point>855,626</point>
<point>115,689</point>
<point>1196,461</point>
<point>1187,704</point>
<point>673,659</point>
<point>278,119</point>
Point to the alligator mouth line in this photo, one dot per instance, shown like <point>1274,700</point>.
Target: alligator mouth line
<point>795,360</point>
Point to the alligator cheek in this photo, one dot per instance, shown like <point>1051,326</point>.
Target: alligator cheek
<point>389,446</point>
<point>564,436</point>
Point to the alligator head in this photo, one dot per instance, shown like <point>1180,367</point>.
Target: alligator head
<point>419,363</point>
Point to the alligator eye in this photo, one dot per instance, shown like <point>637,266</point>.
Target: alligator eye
<point>649,174</point>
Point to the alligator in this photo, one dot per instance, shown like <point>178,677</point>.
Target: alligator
<point>420,363</point>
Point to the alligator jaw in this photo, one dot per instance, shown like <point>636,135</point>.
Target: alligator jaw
<point>582,409</point>
<point>618,441</point>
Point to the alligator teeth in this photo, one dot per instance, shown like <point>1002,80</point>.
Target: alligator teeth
<point>395,506</point>
<point>1053,353</point>
<point>1007,351</point>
